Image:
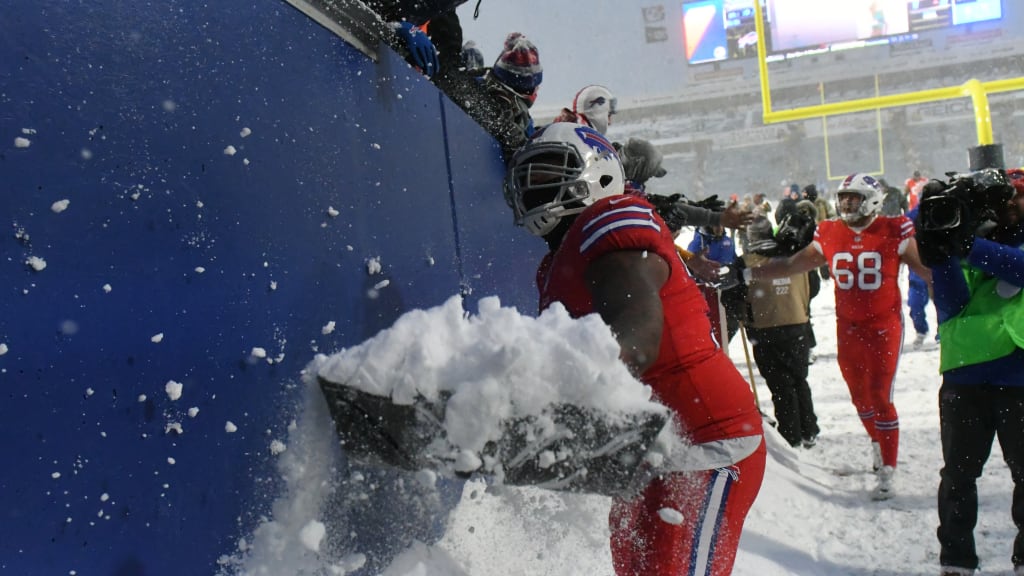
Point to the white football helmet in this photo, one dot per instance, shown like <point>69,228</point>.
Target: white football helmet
<point>871,193</point>
<point>598,104</point>
<point>561,171</point>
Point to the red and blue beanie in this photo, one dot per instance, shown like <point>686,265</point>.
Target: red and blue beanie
<point>518,65</point>
<point>1016,176</point>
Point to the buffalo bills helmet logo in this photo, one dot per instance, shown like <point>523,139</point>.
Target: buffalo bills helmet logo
<point>864,178</point>
<point>596,141</point>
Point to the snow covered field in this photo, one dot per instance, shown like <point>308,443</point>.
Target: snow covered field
<point>813,517</point>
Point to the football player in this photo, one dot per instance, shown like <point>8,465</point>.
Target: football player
<point>612,254</point>
<point>863,251</point>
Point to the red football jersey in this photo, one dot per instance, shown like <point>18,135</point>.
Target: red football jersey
<point>712,403</point>
<point>865,265</point>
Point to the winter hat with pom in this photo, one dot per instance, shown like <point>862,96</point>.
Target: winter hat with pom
<point>1016,176</point>
<point>760,237</point>
<point>518,65</point>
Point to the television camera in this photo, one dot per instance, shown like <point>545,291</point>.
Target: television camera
<point>972,200</point>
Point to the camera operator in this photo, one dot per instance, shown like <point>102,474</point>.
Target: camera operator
<point>969,233</point>
<point>779,326</point>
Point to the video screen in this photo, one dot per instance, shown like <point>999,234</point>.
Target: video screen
<point>719,30</point>
<point>806,23</point>
<point>841,24</point>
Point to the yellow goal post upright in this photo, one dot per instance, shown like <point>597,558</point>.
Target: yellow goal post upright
<point>987,154</point>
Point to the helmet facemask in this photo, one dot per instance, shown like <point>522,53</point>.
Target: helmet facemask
<point>871,195</point>
<point>544,186</point>
<point>565,169</point>
<point>856,216</point>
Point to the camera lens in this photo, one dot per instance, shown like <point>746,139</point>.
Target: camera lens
<point>940,213</point>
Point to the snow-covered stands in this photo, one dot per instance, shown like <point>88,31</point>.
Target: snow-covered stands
<point>195,198</point>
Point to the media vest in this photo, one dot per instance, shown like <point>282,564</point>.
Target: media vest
<point>989,327</point>
<point>777,302</point>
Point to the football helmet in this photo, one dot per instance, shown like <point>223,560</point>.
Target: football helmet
<point>871,193</point>
<point>598,104</point>
<point>561,171</point>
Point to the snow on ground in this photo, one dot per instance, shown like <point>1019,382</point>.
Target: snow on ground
<point>813,517</point>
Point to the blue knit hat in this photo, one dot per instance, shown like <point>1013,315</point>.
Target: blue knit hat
<point>518,65</point>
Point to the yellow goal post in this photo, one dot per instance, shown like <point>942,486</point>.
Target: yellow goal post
<point>974,89</point>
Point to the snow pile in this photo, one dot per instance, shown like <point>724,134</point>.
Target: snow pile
<point>496,365</point>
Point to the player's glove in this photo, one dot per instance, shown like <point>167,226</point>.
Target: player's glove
<point>422,53</point>
<point>641,161</point>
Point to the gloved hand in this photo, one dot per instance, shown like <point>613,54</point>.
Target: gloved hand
<point>663,203</point>
<point>641,161</point>
<point>422,53</point>
<point>733,275</point>
<point>711,203</point>
<point>668,208</point>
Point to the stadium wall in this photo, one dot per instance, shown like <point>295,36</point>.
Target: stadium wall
<point>200,197</point>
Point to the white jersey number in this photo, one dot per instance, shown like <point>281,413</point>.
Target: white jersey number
<point>866,275</point>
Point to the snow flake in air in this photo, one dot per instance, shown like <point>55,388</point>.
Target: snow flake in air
<point>671,516</point>
<point>36,263</point>
<point>173,390</point>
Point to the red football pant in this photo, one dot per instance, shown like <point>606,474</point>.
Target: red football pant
<point>713,505</point>
<point>868,356</point>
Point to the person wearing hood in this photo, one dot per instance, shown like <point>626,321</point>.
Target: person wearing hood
<point>593,106</point>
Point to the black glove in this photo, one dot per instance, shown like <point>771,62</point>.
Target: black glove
<point>663,204</point>
<point>711,203</point>
<point>668,208</point>
<point>733,276</point>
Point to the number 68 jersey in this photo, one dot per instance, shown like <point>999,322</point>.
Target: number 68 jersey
<point>865,265</point>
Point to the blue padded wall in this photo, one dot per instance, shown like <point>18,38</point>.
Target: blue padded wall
<point>128,110</point>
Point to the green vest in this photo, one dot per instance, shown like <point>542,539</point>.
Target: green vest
<point>988,328</point>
